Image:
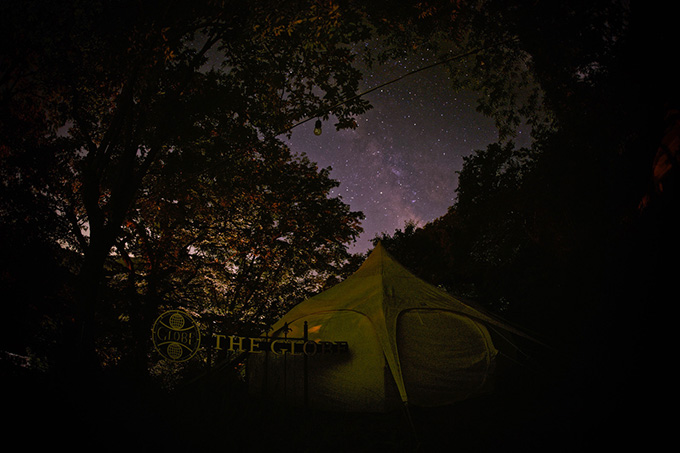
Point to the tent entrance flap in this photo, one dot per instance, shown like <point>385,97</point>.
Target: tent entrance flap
<point>443,369</point>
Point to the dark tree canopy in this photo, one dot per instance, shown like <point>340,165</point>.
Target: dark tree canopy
<point>543,234</point>
<point>147,132</point>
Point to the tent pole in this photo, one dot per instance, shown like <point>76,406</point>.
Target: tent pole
<point>285,367</point>
<point>305,375</point>
<point>407,412</point>
<point>265,383</point>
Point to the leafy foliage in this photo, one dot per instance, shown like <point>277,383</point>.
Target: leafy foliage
<point>149,152</point>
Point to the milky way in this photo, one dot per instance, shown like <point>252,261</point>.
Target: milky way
<point>400,163</point>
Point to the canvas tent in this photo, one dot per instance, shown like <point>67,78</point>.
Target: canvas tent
<point>408,342</point>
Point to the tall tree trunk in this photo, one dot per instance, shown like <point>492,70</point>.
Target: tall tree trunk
<point>78,360</point>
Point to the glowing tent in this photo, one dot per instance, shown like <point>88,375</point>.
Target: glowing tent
<point>407,342</point>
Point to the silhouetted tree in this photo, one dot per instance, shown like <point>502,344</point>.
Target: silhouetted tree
<point>601,101</point>
<point>115,89</point>
<point>237,246</point>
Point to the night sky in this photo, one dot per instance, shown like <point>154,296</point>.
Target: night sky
<point>400,163</point>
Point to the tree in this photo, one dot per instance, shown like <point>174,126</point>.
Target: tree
<point>481,49</point>
<point>480,248</point>
<point>119,87</point>
<point>238,246</point>
<point>595,134</point>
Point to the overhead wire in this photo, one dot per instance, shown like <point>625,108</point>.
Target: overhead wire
<point>397,79</point>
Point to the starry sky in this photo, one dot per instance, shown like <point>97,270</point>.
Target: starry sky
<point>400,164</point>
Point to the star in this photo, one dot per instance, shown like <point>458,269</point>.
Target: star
<point>400,164</point>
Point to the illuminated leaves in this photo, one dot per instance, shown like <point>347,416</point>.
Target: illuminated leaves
<point>142,136</point>
<point>246,239</point>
